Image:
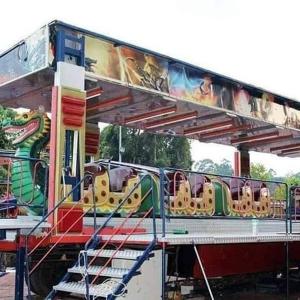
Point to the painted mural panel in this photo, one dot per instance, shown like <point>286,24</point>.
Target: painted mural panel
<point>126,64</point>
<point>244,103</point>
<point>102,58</point>
<point>25,58</point>
<point>142,69</point>
<point>190,84</point>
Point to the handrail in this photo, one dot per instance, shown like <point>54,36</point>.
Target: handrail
<point>122,244</point>
<point>87,244</point>
<point>57,205</point>
<point>96,232</point>
<point>29,272</point>
<point>164,174</point>
<point>221,175</point>
<point>22,157</point>
<point>20,160</point>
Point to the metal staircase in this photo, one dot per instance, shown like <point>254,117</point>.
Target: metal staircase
<point>114,280</point>
<point>95,274</point>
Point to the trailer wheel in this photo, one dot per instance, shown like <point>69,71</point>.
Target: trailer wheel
<point>46,276</point>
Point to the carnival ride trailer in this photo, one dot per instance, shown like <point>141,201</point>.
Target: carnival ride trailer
<point>106,223</point>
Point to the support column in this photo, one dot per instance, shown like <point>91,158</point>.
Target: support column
<point>68,117</point>
<point>19,277</point>
<point>242,163</point>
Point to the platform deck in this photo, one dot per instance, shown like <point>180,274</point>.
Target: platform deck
<point>22,223</point>
<point>207,231</point>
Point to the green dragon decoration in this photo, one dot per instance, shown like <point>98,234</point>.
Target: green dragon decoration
<point>31,133</point>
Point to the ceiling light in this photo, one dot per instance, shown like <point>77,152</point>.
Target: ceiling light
<point>93,93</point>
<point>208,128</point>
<point>254,138</point>
<point>150,115</point>
<point>171,120</point>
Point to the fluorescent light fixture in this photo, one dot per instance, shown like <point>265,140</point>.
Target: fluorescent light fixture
<point>172,120</point>
<point>150,115</point>
<point>208,129</point>
<point>285,147</point>
<point>109,103</point>
<point>90,76</point>
<point>169,98</point>
<point>93,93</point>
<point>254,138</point>
<point>229,114</point>
<point>293,150</point>
<point>224,133</point>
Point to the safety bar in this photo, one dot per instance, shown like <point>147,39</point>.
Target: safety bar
<point>273,211</point>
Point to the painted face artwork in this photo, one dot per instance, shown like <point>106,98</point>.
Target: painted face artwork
<point>159,74</point>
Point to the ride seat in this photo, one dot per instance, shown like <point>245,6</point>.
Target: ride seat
<point>197,183</point>
<point>93,169</point>
<point>256,188</point>
<point>118,178</point>
<point>236,188</point>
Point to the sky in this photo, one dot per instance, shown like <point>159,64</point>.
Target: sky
<point>255,41</point>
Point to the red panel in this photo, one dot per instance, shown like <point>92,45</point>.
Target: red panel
<point>73,101</point>
<point>73,110</point>
<point>73,121</point>
<point>70,219</point>
<point>91,150</point>
<point>223,260</point>
<point>92,135</point>
<point>8,246</point>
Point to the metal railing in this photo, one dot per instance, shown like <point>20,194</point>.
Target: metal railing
<point>94,239</point>
<point>294,193</point>
<point>276,192</point>
<point>48,234</point>
<point>27,166</point>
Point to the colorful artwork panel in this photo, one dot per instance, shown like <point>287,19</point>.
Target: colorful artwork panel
<point>25,58</point>
<point>102,58</point>
<point>143,69</point>
<point>190,84</point>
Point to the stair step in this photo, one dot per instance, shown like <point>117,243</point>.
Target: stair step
<point>99,290</point>
<point>122,254</point>
<point>107,271</point>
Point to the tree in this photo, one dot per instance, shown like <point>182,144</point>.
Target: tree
<point>208,166</point>
<point>146,148</point>
<point>259,171</point>
<point>5,113</point>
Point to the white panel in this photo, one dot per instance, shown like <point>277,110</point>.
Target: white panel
<point>147,285</point>
<point>69,75</point>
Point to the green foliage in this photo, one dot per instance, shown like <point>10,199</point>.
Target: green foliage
<point>146,148</point>
<point>259,171</point>
<point>208,166</point>
<point>290,180</point>
<point>5,114</point>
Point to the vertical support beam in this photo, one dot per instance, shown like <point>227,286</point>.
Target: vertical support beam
<point>120,144</point>
<point>68,81</point>
<point>19,277</point>
<point>52,165</point>
<point>287,270</point>
<point>241,163</point>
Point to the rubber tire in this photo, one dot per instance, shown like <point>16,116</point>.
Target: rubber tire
<point>46,276</point>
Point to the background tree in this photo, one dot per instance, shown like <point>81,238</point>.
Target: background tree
<point>5,113</point>
<point>208,166</point>
<point>259,171</point>
<point>146,148</point>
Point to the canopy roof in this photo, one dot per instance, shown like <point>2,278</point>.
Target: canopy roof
<point>135,87</point>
